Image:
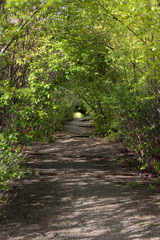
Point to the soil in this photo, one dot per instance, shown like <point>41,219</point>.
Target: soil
<point>80,193</point>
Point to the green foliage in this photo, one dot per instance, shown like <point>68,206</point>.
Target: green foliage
<point>102,55</point>
<point>11,159</point>
<point>134,184</point>
<point>151,187</point>
<point>33,104</point>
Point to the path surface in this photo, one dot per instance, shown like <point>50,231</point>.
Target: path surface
<point>80,194</point>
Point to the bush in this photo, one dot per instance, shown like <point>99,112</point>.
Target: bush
<point>11,161</point>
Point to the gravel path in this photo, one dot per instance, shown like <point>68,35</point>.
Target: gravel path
<point>80,194</point>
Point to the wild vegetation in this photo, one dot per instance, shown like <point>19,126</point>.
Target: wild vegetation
<point>100,56</point>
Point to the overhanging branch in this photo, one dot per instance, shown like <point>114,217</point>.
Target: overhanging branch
<point>120,21</point>
<point>16,36</point>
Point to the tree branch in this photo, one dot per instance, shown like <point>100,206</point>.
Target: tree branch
<point>120,21</point>
<point>16,36</point>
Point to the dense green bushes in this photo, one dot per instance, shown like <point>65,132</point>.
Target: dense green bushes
<point>33,104</point>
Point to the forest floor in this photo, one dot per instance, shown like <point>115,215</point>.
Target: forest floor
<point>80,193</point>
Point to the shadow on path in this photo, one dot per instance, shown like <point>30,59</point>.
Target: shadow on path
<point>80,193</point>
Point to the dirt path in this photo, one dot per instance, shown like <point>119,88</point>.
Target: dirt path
<point>80,194</point>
